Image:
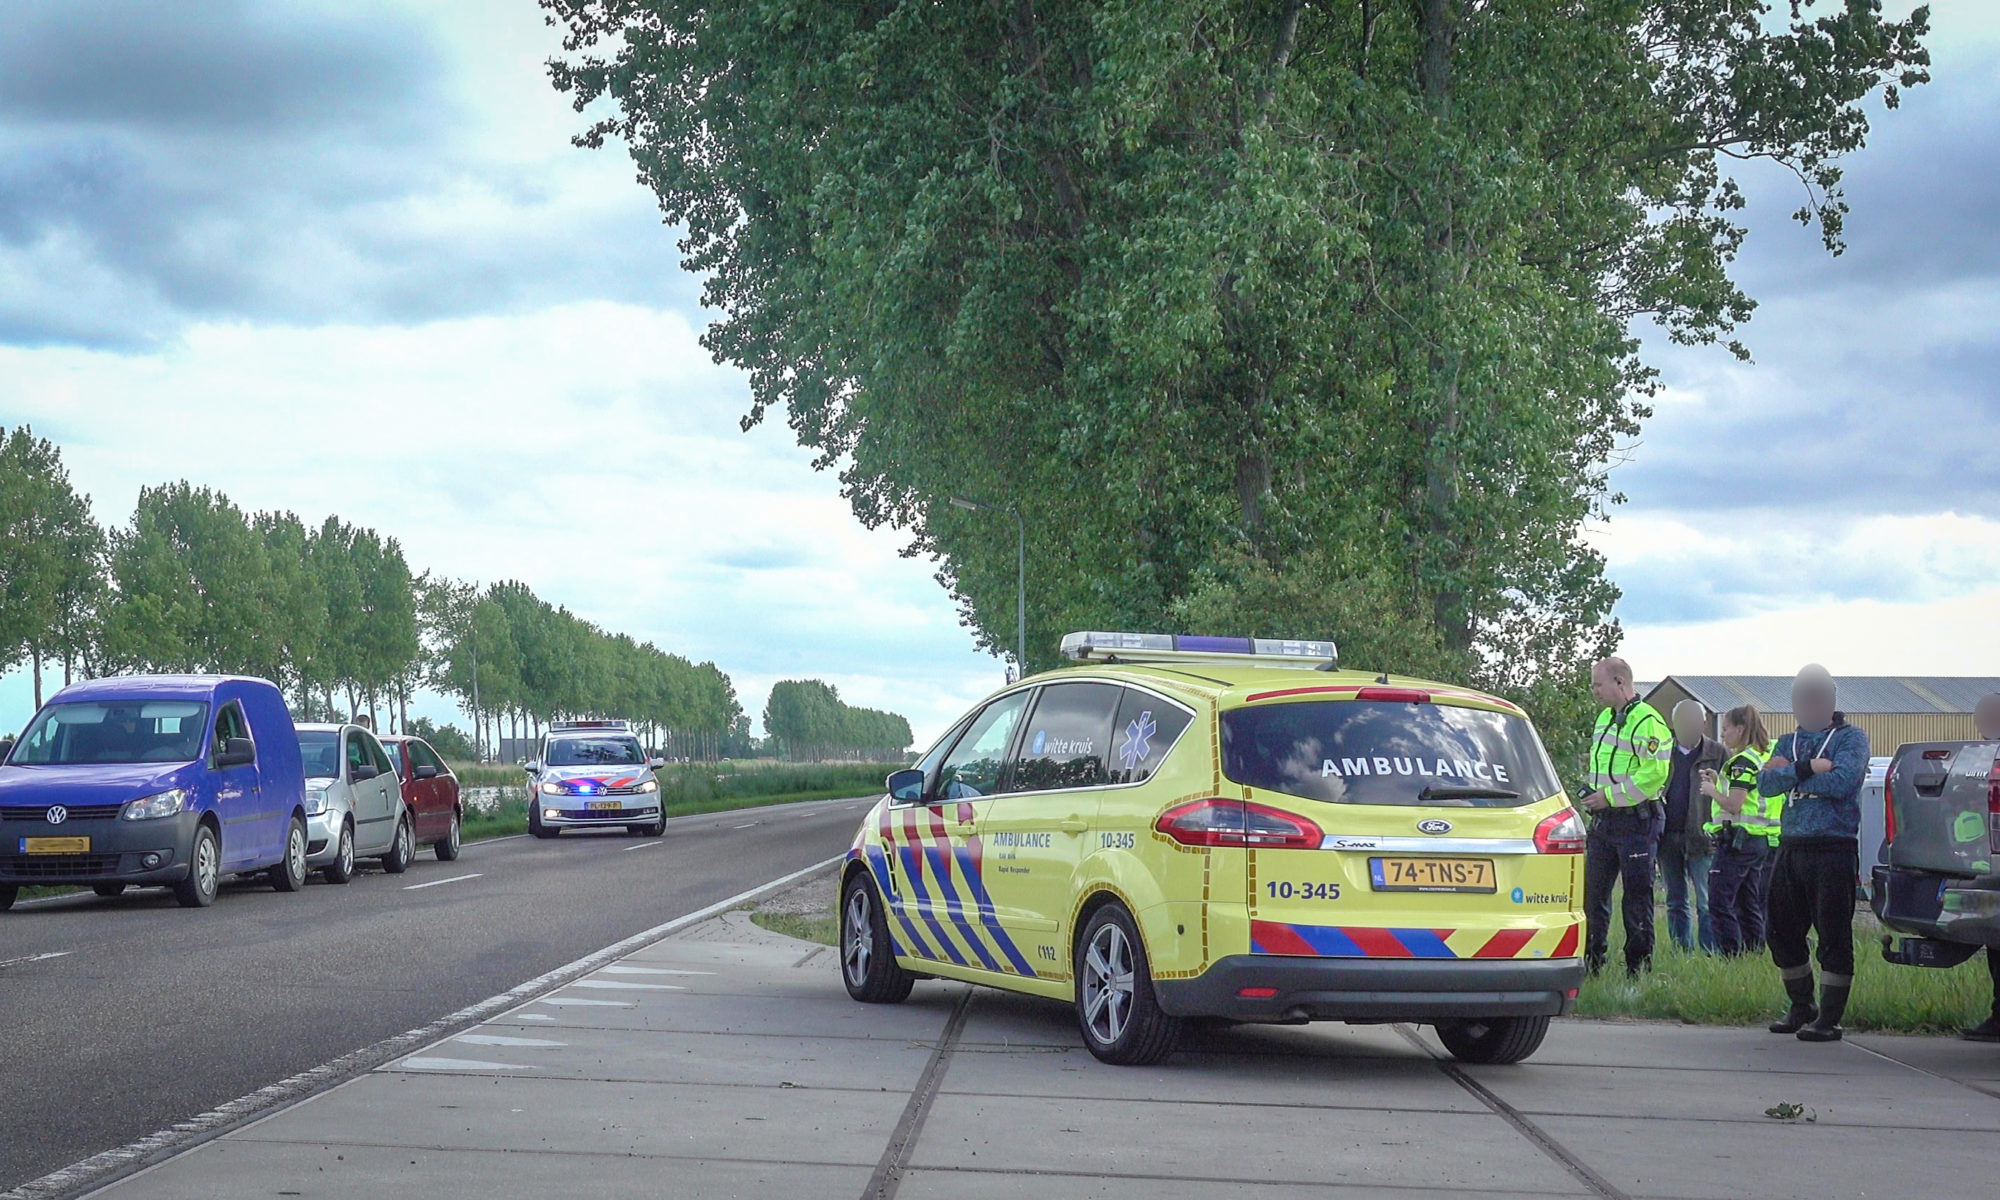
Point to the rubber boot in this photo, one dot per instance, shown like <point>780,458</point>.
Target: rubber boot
<point>1801,1013</point>
<point>1832,1004</point>
<point>1986,1031</point>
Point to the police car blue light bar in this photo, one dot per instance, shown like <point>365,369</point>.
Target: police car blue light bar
<point>1101,646</point>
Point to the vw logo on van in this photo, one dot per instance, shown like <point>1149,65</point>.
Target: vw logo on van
<point>1434,825</point>
<point>57,814</point>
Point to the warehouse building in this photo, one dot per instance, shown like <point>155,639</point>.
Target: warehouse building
<point>1893,709</point>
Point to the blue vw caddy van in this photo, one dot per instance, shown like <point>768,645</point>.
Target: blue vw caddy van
<point>155,779</point>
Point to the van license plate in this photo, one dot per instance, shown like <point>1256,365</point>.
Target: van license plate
<point>604,805</point>
<point>1431,874</point>
<point>60,845</point>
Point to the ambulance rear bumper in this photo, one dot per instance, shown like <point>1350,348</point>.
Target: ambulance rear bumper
<point>1422,991</point>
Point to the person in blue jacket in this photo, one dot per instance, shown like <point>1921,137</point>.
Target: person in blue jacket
<point>1821,766</point>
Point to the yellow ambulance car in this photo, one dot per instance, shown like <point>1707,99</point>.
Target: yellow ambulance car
<point>1181,827</point>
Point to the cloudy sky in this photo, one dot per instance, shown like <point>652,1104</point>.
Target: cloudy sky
<point>341,257</point>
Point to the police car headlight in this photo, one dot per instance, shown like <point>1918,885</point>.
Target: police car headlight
<point>552,789</point>
<point>651,785</point>
<point>165,804</point>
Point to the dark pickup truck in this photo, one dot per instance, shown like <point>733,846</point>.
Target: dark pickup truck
<point>1938,884</point>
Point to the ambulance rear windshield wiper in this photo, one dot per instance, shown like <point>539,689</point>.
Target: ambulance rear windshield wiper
<point>1466,791</point>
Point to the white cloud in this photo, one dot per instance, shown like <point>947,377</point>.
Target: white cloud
<point>591,451</point>
<point>1860,637</point>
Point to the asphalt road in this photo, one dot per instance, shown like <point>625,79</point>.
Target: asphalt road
<point>153,1014</point>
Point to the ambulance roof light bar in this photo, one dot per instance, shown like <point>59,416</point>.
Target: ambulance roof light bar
<point>609,725</point>
<point>1098,646</point>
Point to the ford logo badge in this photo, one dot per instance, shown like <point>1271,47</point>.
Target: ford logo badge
<point>57,814</point>
<point>1434,825</point>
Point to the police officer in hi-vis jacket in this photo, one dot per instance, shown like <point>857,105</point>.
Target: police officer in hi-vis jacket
<point>1820,766</point>
<point>1631,752</point>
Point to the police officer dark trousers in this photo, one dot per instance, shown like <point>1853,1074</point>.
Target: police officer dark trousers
<point>1620,849</point>
<point>1823,764</point>
<point>1629,764</point>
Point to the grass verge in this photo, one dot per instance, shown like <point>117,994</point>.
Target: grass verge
<point>823,928</point>
<point>511,815</point>
<point>1710,990</point>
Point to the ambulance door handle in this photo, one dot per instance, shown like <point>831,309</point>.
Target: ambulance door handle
<point>1073,825</point>
<point>967,826</point>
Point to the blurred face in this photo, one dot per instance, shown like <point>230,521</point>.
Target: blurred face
<point>1987,716</point>
<point>1689,726</point>
<point>1812,703</point>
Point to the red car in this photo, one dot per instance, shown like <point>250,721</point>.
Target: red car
<point>430,791</point>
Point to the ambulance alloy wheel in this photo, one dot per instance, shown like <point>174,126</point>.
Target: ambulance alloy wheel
<point>867,963</point>
<point>1120,1017</point>
<point>1498,1040</point>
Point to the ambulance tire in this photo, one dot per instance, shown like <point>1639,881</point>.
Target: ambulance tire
<point>1494,1040</point>
<point>8,891</point>
<point>1122,1023</point>
<point>867,962</point>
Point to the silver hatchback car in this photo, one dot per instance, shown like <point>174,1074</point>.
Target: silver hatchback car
<point>354,803</point>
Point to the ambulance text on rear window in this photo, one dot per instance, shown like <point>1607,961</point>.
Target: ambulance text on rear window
<point>1370,752</point>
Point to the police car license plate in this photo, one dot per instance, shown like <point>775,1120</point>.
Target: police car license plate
<point>604,805</point>
<point>55,845</point>
<point>1431,874</point>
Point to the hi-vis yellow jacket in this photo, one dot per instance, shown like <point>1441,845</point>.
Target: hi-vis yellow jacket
<point>1631,754</point>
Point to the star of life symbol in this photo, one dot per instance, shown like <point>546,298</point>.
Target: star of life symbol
<point>1138,735</point>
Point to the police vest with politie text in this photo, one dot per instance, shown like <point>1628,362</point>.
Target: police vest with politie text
<point>1760,812</point>
<point>1631,756</point>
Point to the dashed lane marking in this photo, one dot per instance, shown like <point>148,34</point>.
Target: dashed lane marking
<point>644,845</point>
<point>498,1039</point>
<point>436,882</point>
<point>15,962</point>
<point>624,969</point>
<point>432,1062</point>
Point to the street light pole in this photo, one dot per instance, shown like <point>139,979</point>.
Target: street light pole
<point>1021,578</point>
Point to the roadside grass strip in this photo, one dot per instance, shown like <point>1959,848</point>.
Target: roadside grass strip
<point>1711,990</point>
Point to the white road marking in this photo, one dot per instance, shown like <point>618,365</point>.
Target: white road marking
<point>15,962</point>
<point>627,985</point>
<point>124,1162</point>
<point>623,969</point>
<point>747,825</point>
<point>495,1039</point>
<point>435,882</point>
<point>643,845</point>
<point>426,1062</point>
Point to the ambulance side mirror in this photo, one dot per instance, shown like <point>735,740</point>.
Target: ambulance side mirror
<point>906,786</point>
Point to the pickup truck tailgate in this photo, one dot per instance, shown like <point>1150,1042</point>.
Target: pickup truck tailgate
<point>1943,800</point>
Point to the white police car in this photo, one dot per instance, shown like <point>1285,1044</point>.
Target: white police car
<point>594,775</point>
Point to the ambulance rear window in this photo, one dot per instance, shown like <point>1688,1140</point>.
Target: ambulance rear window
<point>1379,752</point>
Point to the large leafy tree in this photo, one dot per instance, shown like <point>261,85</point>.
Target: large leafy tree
<point>51,558</point>
<point>1280,317</point>
<point>188,571</point>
